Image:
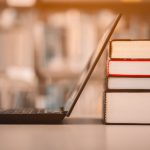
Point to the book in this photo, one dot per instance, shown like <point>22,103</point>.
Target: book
<point>136,68</point>
<point>127,107</point>
<point>81,38</point>
<point>73,35</point>
<point>128,83</point>
<point>54,40</point>
<point>130,49</point>
<point>20,55</point>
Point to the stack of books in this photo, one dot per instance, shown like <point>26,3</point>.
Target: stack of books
<point>127,96</point>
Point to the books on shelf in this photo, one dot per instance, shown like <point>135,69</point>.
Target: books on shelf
<point>127,107</point>
<point>81,34</point>
<point>54,37</point>
<point>130,49</point>
<point>129,68</point>
<point>128,83</point>
<point>20,55</point>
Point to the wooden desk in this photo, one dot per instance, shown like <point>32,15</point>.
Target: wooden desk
<point>74,134</point>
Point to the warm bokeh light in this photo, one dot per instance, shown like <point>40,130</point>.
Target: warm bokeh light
<point>19,3</point>
<point>135,1</point>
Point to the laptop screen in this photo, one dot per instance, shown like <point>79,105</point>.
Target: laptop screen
<point>85,75</point>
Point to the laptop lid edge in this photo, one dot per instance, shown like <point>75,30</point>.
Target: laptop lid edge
<point>90,71</point>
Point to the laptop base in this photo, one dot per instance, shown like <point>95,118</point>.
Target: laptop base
<point>31,118</point>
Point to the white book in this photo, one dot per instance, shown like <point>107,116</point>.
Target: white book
<point>127,107</point>
<point>129,68</point>
<point>130,49</point>
<point>128,83</point>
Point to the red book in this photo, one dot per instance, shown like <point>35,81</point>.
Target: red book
<point>130,68</point>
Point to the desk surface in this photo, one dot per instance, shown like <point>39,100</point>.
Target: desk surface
<point>75,134</point>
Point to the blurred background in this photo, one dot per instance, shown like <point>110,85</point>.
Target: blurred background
<point>45,44</point>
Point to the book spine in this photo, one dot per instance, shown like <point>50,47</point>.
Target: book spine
<point>104,107</point>
<point>110,49</point>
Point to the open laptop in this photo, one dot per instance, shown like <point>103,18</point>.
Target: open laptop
<point>43,116</point>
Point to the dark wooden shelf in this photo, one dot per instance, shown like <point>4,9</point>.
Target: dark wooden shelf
<point>117,6</point>
<point>89,5</point>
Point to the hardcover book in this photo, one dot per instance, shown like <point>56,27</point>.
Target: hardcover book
<point>130,49</point>
<point>129,83</point>
<point>127,107</point>
<point>136,68</point>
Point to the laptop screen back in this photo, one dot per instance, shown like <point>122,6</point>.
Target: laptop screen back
<point>85,75</point>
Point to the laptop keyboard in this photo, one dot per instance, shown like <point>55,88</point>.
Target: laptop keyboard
<point>29,111</point>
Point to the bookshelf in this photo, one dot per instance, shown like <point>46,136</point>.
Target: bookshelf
<point>125,7</point>
<point>118,6</point>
